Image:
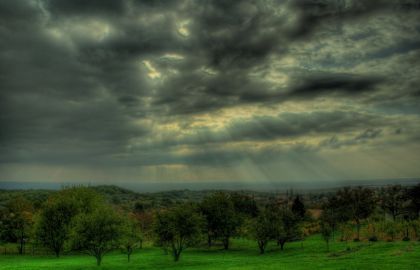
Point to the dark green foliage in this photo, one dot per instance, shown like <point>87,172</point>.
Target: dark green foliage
<point>289,228</point>
<point>286,225</point>
<point>222,220</point>
<point>354,204</point>
<point>298,208</point>
<point>362,205</point>
<point>55,219</point>
<point>53,225</point>
<point>394,200</point>
<point>413,195</point>
<point>16,222</point>
<point>178,228</point>
<point>244,204</point>
<point>326,233</point>
<point>98,232</point>
<point>131,236</point>
<point>264,228</point>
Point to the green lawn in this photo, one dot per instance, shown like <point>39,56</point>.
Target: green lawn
<point>310,254</point>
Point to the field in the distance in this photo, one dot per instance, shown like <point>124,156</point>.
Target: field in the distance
<point>311,254</point>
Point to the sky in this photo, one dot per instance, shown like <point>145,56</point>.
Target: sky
<point>192,92</point>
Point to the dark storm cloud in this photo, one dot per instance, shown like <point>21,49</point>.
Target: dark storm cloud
<point>90,7</point>
<point>335,84</point>
<point>287,126</point>
<point>298,124</point>
<point>75,88</point>
<point>238,34</point>
<point>197,92</point>
<point>361,138</point>
<point>315,12</point>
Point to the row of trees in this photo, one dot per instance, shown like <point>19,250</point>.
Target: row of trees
<point>389,208</point>
<point>75,219</point>
<point>222,216</point>
<point>79,219</point>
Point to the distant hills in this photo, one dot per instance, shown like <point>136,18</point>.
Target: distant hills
<point>143,187</point>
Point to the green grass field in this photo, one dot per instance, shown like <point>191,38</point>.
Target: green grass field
<point>310,254</point>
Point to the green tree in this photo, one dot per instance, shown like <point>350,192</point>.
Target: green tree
<point>326,233</point>
<point>244,204</point>
<point>362,205</point>
<point>413,195</point>
<point>286,225</point>
<point>55,219</point>
<point>393,200</point>
<point>222,220</point>
<point>340,210</point>
<point>17,222</point>
<point>178,228</point>
<point>298,208</point>
<point>131,237</point>
<point>98,232</point>
<point>53,224</point>
<point>264,229</point>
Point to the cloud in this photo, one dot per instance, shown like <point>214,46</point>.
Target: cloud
<point>162,83</point>
<point>335,84</point>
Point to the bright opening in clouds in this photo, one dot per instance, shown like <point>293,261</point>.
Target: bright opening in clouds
<point>247,92</point>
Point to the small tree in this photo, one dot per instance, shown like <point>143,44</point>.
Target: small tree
<point>286,225</point>
<point>131,237</point>
<point>264,229</point>
<point>413,195</point>
<point>222,219</point>
<point>298,208</point>
<point>394,200</point>
<point>362,205</point>
<point>98,232</point>
<point>339,210</point>
<point>178,228</point>
<point>55,219</point>
<point>326,232</point>
<point>53,224</point>
<point>17,222</point>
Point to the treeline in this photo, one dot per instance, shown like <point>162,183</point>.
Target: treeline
<point>388,213</point>
<point>79,219</point>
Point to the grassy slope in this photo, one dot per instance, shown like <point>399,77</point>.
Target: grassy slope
<point>244,255</point>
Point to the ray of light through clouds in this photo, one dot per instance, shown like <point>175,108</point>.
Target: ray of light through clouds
<point>247,92</point>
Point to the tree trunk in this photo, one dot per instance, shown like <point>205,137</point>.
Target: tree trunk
<point>226,243</point>
<point>20,246</point>
<point>261,245</point>
<point>209,239</point>
<point>177,254</point>
<point>328,246</point>
<point>98,260</point>
<point>282,242</point>
<point>358,230</point>
<point>128,257</point>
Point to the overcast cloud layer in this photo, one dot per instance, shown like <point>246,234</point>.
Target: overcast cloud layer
<point>247,91</point>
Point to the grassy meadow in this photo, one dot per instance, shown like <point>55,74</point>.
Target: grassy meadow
<point>309,254</point>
